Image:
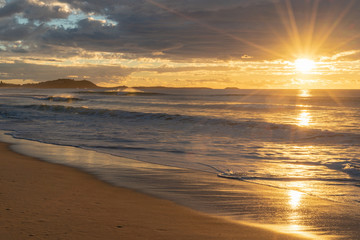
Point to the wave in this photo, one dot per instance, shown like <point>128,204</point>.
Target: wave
<point>287,179</point>
<point>151,116</point>
<point>246,128</point>
<point>250,107</point>
<point>129,148</point>
<point>345,98</point>
<point>350,167</point>
<point>121,93</point>
<point>59,98</point>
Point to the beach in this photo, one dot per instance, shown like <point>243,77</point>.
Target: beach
<point>40,200</point>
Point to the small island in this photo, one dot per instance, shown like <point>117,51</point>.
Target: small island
<point>59,83</point>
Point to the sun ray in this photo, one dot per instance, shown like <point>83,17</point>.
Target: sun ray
<point>295,43</point>
<point>285,21</point>
<point>333,26</point>
<point>293,26</point>
<point>284,43</point>
<point>304,45</point>
<point>333,96</point>
<point>344,42</point>
<point>307,45</point>
<point>311,27</point>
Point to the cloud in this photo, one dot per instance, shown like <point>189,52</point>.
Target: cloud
<point>10,30</point>
<point>45,10</point>
<point>36,9</point>
<point>341,55</point>
<point>11,8</point>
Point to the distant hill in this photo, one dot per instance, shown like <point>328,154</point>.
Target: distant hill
<point>62,83</point>
<point>59,83</point>
<point>8,85</point>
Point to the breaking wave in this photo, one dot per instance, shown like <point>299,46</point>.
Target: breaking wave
<point>121,93</point>
<point>59,98</point>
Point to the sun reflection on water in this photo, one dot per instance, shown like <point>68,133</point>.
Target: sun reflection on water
<point>304,118</point>
<point>294,198</point>
<point>304,93</point>
<point>296,205</point>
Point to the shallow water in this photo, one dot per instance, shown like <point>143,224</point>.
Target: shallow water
<point>286,158</point>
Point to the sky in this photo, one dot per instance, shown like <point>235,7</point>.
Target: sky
<point>187,43</point>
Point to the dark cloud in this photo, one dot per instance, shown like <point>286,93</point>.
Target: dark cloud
<point>11,8</point>
<point>45,12</point>
<point>35,10</point>
<point>12,30</point>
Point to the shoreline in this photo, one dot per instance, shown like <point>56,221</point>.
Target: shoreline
<point>43,200</point>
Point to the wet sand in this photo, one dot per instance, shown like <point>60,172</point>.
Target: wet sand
<point>40,200</point>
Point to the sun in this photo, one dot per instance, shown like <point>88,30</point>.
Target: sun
<point>304,65</point>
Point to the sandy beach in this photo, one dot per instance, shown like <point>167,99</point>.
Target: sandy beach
<point>40,200</point>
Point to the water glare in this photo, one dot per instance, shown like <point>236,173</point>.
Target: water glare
<point>304,118</point>
<point>294,198</point>
<point>304,93</point>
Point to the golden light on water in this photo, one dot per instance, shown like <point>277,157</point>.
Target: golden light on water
<point>294,198</point>
<point>304,118</point>
<point>304,93</point>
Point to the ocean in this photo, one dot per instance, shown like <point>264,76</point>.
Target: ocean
<point>288,160</point>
